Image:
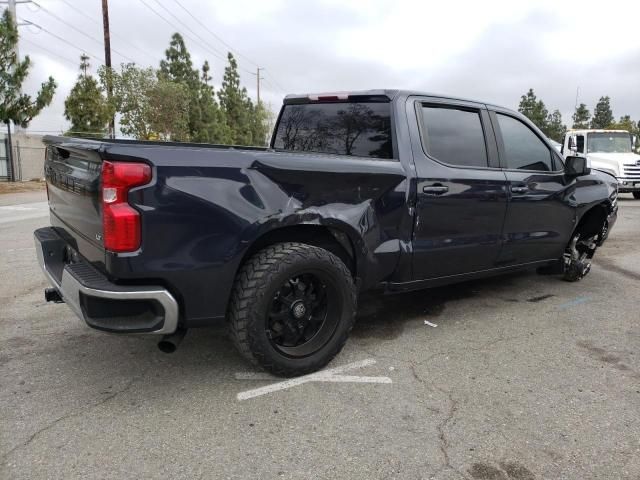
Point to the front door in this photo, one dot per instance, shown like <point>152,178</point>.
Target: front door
<point>541,214</point>
<point>461,192</point>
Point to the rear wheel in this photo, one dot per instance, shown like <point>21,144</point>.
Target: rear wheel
<point>292,308</point>
<point>636,195</point>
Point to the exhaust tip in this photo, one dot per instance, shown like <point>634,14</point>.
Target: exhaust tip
<point>167,347</point>
<point>170,343</point>
<point>52,295</point>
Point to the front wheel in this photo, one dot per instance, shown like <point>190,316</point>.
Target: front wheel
<point>292,308</point>
<point>577,257</point>
<point>636,195</point>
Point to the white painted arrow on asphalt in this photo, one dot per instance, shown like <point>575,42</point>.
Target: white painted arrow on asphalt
<point>331,375</point>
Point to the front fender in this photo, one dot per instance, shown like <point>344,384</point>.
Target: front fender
<point>597,188</point>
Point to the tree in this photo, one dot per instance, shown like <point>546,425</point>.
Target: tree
<point>169,110</point>
<point>86,106</point>
<point>261,123</point>
<point>534,109</point>
<point>211,126</point>
<point>130,97</point>
<point>625,123</point>
<point>236,105</point>
<point>581,117</point>
<point>602,114</point>
<point>15,106</point>
<point>554,127</point>
<point>151,107</point>
<point>178,68</point>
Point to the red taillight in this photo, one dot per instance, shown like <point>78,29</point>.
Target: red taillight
<point>120,221</point>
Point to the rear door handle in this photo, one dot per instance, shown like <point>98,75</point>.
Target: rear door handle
<point>519,189</point>
<point>435,189</point>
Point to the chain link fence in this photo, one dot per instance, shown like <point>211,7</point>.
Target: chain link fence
<point>28,158</point>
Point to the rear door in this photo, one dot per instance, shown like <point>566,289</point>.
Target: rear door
<point>541,212</point>
<point>461,191</point>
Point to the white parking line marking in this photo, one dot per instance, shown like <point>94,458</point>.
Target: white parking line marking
<point>354,379</point>
<point>331,375</point>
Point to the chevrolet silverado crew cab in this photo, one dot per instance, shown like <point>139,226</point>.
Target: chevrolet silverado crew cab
<point>610,151</point>
<point>383,189</point>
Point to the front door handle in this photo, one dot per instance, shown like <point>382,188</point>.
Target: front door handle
<point>519,189</point>
<point>435,189</point>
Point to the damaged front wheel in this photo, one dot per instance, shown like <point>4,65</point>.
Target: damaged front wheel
<point>577,257</point>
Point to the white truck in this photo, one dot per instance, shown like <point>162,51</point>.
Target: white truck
<point>610,151</point>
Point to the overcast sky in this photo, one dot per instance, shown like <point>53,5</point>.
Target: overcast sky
<point>487,50</point>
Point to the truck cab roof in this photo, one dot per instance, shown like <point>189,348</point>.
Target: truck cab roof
<point>374,94</point>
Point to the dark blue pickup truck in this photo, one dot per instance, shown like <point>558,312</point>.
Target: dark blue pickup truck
<point>382,189</point>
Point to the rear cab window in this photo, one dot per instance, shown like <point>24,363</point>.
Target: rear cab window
<point>351,128</point>
<point>454,135</point>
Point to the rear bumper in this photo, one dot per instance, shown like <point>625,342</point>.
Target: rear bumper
<point>101,303</point>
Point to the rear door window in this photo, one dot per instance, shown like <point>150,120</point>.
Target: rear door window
<point>454,136</point>
<point>360,129</point>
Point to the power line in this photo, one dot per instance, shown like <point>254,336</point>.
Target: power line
<point>274,85</point>
<point>63,40</point>
<point>221,40</point>
<point>51,52</point>
<point>61,20</point>
<point>119,37</point>
<point>176,29</point>
<point>238,54</point>
<point>201,41</point>
<point>204,42</point>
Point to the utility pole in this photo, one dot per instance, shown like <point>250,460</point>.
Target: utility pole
<point>107,62</point>
<point>84,64</point>
<point>258,79</point>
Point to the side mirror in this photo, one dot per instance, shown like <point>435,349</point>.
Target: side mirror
<point>577,166</point>
<point>573,143</point>
<point>634,141</point>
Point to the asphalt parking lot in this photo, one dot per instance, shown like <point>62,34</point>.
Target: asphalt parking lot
<point>519,377</point>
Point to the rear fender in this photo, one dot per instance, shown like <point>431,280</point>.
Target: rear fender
<point>355,227</point>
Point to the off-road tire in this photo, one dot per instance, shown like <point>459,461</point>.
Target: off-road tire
<point>253,292</point>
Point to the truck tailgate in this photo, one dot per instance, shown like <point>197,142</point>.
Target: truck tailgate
<point>73,184</point>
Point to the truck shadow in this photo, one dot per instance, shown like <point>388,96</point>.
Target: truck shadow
<point>98,363</point>
<point>384,317</point>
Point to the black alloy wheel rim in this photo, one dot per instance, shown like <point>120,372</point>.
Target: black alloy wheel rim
<point>303,315</point>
